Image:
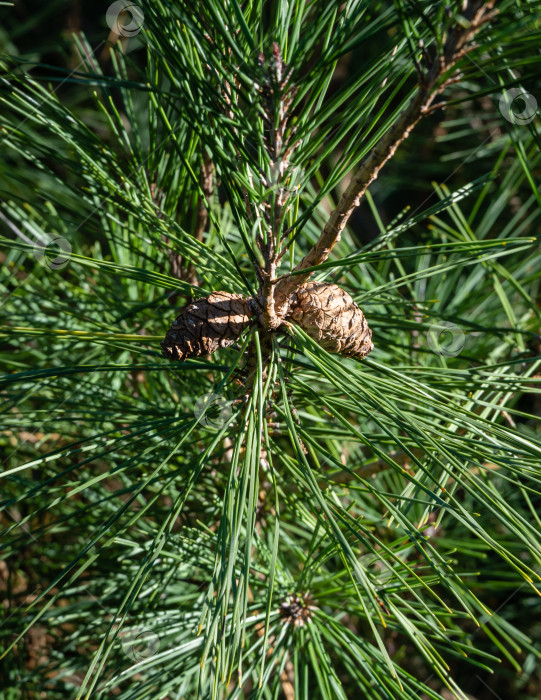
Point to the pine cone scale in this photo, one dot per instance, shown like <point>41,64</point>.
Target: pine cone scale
<point>206,325</point>
<point>330,316</point>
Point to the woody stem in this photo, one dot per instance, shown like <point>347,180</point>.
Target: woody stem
<point>431,84</point>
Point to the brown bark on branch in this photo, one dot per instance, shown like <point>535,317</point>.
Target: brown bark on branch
<point>432,83</point>
<point>206,182</point>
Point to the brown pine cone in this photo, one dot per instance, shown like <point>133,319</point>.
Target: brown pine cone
<point>330,316</point>
<point>205,325</point>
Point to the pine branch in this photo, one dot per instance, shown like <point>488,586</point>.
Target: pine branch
<point>296,540</point>
<point>432,82</point>
<point>207,184</point>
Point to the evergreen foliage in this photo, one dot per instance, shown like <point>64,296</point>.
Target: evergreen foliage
<point>272,521</point>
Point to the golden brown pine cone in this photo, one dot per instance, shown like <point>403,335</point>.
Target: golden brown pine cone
<point>205,325</point>
<point>330,316</point>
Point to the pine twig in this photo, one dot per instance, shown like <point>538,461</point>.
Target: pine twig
<point>278,96</point>
<point>206,181</point>
<point>430,86</point>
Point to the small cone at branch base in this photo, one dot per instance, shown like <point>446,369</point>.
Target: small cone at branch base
<point>205,325</point>
<point>330,316</point>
